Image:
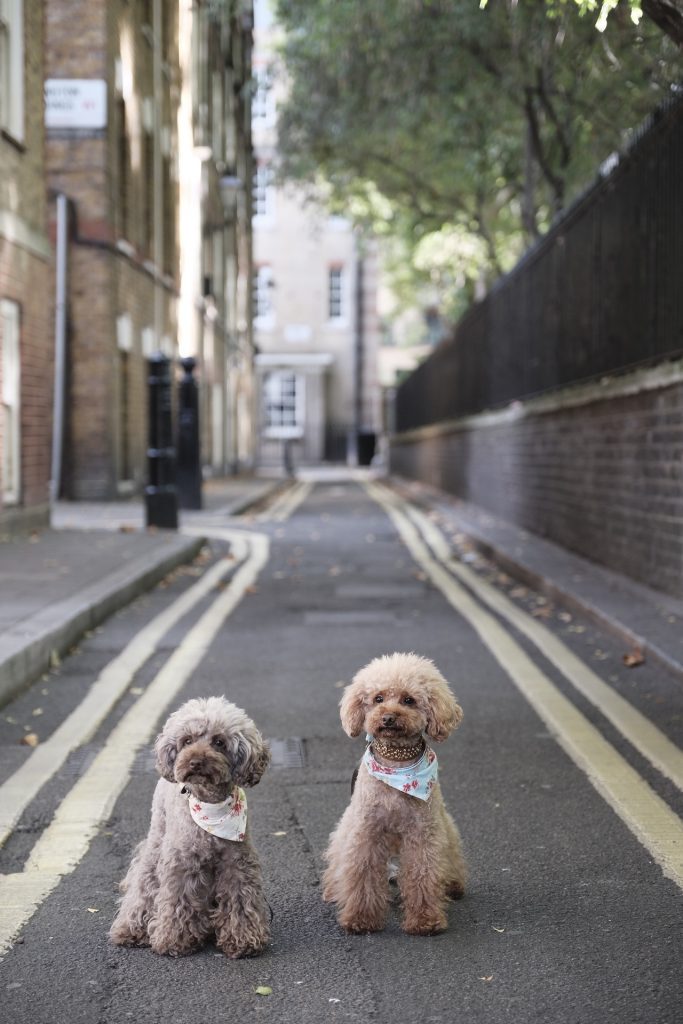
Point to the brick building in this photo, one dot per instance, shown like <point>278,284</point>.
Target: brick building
<point>214,321</point>
<point>112,101</point>
<point>145,110</point>
<point>25,273</point>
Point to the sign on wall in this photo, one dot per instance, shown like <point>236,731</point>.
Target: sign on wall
<point>75,103</point>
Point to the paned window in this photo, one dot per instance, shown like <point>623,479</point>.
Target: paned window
<point>10,374</point>
<point>264,194</point>
<point>12,68</point>
<point>283,404</point>
<point>263,287</point>
<point>335,295</point>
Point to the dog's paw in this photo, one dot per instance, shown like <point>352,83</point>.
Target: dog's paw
<point>122,934</point>
<point>358,924</point>
<point>174,946</point>
<point>237,949</point>
<point>455,890</point>
<point>425,924</point>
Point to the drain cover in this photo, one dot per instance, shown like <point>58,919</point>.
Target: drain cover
<point>287,753</point>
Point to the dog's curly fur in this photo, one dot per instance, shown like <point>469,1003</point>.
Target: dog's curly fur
<point>396,698</point>
<point>185,886</point>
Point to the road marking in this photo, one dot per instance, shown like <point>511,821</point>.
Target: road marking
<point>286,504</point>
<point>647,816</point>
<point>91,801</point>
<point>640,732</point>
<point>17,792</point>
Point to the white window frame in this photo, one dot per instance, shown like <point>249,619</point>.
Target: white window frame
<point>263,192</point>
<point>263,102</point>
<point>264,314</point>
<point>12,68</point>
<point>10,399</point>
<point>287,393</point>
<point>336,304</point>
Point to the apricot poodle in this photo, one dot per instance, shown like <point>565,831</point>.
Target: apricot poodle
<point>196,876</point>
<point>396,807</point>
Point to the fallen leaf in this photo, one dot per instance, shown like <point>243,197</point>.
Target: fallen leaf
<point>543,611</point>
<point>564,617</point>
<point>263,990</point>
<point>36,712</point>
<point>499,930</point>
<point>278,833</point>
<point>519,592</point>
<point>30,739</point>
<point>55,660</point>
<point>486,977</point>
<point>92,910</point>
<point>334,1000</point>
<point>633,658</point>
<point>251,590</point>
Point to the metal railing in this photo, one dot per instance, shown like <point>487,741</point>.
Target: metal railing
<point>601,293</point>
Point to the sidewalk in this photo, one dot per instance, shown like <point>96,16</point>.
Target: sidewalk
<point>95,558</point>
<point>642,618</point>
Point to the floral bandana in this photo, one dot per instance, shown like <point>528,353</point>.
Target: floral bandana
<point>417,778</point>
<point>228,820</point>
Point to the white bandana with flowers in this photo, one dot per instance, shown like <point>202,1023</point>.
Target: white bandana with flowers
<point>228,820</point>
<point>417,779</point>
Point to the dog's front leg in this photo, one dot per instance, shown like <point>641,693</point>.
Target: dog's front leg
<point>180,920</point>
<point>241,916</point>
<point>421,883</point>
<point>361,882</point>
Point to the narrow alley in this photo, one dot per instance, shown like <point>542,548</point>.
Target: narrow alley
<point>564,778</point>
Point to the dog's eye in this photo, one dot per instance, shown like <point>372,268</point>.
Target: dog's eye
<point>408,700</point>
<point>186,741</point>
<point>379,699</point>
<point>218,742</point>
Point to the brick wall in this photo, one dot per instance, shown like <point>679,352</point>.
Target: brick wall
<point>109,176</point>
<point>26,278</point>
<point>604,479</point>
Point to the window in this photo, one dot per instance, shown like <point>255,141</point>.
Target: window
<point>12,68</point>
<point>335,298</point>
<point>264,197</point>
<point>283,394</point>
<point>262,105</point>
<point>263,285</point>
<point>123,146</point>
<point>10,377</point>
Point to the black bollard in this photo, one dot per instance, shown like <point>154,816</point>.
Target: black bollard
<point>189,460</point>
<point>161,499</point>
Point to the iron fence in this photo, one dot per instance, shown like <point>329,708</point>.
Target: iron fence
<point>601,293</point>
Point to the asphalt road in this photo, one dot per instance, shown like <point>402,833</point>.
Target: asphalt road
<point>573,912</point>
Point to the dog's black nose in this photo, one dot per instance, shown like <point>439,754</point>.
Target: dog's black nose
<point>388,719</point>
<point>195,763</point>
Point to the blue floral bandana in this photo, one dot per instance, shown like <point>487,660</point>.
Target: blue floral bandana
<point>416,779</point>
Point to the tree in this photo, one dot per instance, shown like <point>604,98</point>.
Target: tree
<point>420,115</point>
<point>667,15</point>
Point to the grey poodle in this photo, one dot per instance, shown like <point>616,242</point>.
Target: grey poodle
<point>196,876</point>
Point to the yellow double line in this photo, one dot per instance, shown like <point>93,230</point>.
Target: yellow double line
<point>650,819</point>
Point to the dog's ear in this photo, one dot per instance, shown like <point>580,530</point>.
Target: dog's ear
<point>165,750</point>
<point>352,710</point>
<point>251,757</point>
<point>444,714</point>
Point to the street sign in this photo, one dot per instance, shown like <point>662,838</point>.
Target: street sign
<point>75,103</point>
